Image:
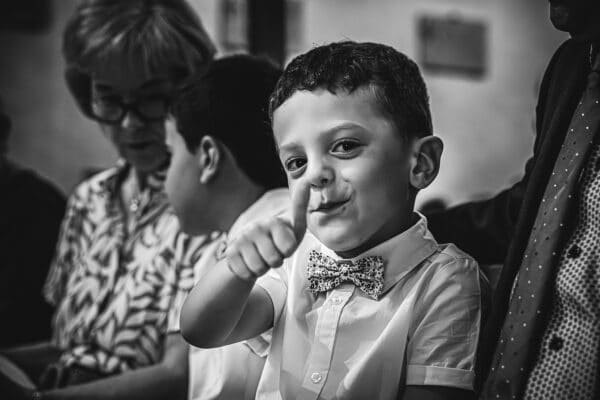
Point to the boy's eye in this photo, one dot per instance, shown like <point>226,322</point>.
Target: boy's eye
<point>345,146</point>
<point>294,164</point>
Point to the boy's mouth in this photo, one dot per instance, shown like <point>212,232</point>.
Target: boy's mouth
<point>330,206</point>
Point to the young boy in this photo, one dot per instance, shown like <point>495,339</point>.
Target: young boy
<point>365,303</point>
<point>224,173</point>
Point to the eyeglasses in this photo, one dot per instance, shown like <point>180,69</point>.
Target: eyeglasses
<point>112,109</point>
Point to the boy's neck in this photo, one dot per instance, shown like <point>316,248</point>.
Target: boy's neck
<point>246,194</point>
<point>377,239</point>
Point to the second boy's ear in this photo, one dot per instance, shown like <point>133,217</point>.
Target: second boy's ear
<point>425,161</point>
<point>209,158</point>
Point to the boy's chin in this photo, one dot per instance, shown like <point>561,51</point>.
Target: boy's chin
<point>346,246</point>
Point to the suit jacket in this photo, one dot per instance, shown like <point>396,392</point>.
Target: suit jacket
<point>31,210</point>
<point>498,229</point>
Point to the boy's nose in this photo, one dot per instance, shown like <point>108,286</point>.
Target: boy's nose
<point>320,175</point>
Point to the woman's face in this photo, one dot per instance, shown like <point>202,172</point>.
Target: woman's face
<point>132,109</point>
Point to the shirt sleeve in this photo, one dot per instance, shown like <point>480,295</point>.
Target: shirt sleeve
<point>274,282</point>
<point>67,248</point>
<point>186,283</point>
<point>446,325</point>
<point>196,256</point>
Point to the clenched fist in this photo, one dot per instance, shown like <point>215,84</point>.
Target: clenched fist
<point>266,244</point>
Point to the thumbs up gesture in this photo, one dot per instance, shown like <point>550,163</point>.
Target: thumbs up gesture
<point>265,244</point>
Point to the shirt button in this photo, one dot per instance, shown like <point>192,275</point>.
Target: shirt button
<point>316,377</point>
<point>335,300</point>
<point>556,343</point>
<point>574,251</point>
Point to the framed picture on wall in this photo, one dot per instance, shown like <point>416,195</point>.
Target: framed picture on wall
<point>453,45</point>
<point>234,25</point>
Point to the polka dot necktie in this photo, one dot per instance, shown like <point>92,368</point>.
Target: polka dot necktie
<point>519,337</point>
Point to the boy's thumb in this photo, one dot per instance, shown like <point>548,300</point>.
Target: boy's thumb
<point>300,199</point>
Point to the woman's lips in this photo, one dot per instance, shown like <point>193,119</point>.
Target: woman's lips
<point>139,145</point>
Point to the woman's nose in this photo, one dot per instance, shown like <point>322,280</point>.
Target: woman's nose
<point>131,121</point>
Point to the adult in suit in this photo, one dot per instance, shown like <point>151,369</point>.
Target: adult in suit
<point>542,339</point>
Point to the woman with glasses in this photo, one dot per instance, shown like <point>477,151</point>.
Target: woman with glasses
<point>121,255</point>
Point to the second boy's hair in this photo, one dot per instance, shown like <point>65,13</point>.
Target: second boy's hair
<point>346,66</point>
<point>229,102</point>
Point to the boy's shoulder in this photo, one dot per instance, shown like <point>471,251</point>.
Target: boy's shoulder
<point>449,253</point>
<point>272,203</point>
<point>450,263</point>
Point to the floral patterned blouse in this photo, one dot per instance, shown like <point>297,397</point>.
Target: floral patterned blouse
<point>114,281</point>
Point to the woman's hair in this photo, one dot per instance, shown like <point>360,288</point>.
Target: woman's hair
<point>160,36</point>
<point>398,86</point>
<point>230,102</point>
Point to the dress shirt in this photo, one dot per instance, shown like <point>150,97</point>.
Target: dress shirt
<point>343,344</point>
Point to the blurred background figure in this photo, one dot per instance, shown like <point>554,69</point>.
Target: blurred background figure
<point>481,61</point>
<point>121,254</point>
<point>31,209</point>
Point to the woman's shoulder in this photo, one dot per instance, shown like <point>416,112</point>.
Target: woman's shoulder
<point>100,182</point>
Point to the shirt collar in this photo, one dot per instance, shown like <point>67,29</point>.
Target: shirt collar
<point>154,181</point>
<point>401,253</point>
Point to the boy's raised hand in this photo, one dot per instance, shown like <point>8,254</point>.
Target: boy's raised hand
<point>266,244</point>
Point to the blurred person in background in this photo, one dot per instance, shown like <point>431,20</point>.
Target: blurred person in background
<point>31,209</point>
<point>543,336</point>
<point>121,255</point>
<point>225,173</point>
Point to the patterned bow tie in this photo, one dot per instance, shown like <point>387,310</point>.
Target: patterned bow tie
<point>325,273</point>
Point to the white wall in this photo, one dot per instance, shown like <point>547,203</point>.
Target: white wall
<point>486,125</point>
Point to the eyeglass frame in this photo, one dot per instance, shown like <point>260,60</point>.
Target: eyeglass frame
<point>130,107</point>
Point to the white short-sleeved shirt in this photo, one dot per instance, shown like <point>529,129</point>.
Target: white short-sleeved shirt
<point>233,371</point>
<point>343,344</point>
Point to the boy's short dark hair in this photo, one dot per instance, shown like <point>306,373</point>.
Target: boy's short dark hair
<point>229,101</point>
<point>346,66</point>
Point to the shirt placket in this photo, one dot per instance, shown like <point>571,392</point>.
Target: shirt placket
<point>319,360</point>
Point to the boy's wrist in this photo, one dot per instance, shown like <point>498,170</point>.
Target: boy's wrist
<point>246,276</point>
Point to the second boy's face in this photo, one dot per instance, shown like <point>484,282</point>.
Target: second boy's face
<point>182,184</point>
<point>355,162</point>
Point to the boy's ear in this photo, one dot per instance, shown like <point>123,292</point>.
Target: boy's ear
<point>425,161</point>
<point>209,158</point>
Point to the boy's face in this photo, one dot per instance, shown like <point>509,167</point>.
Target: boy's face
<point>355,161</point>
<point>183,183</point>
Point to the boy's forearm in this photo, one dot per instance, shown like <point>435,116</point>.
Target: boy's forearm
<point>214,307</point>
